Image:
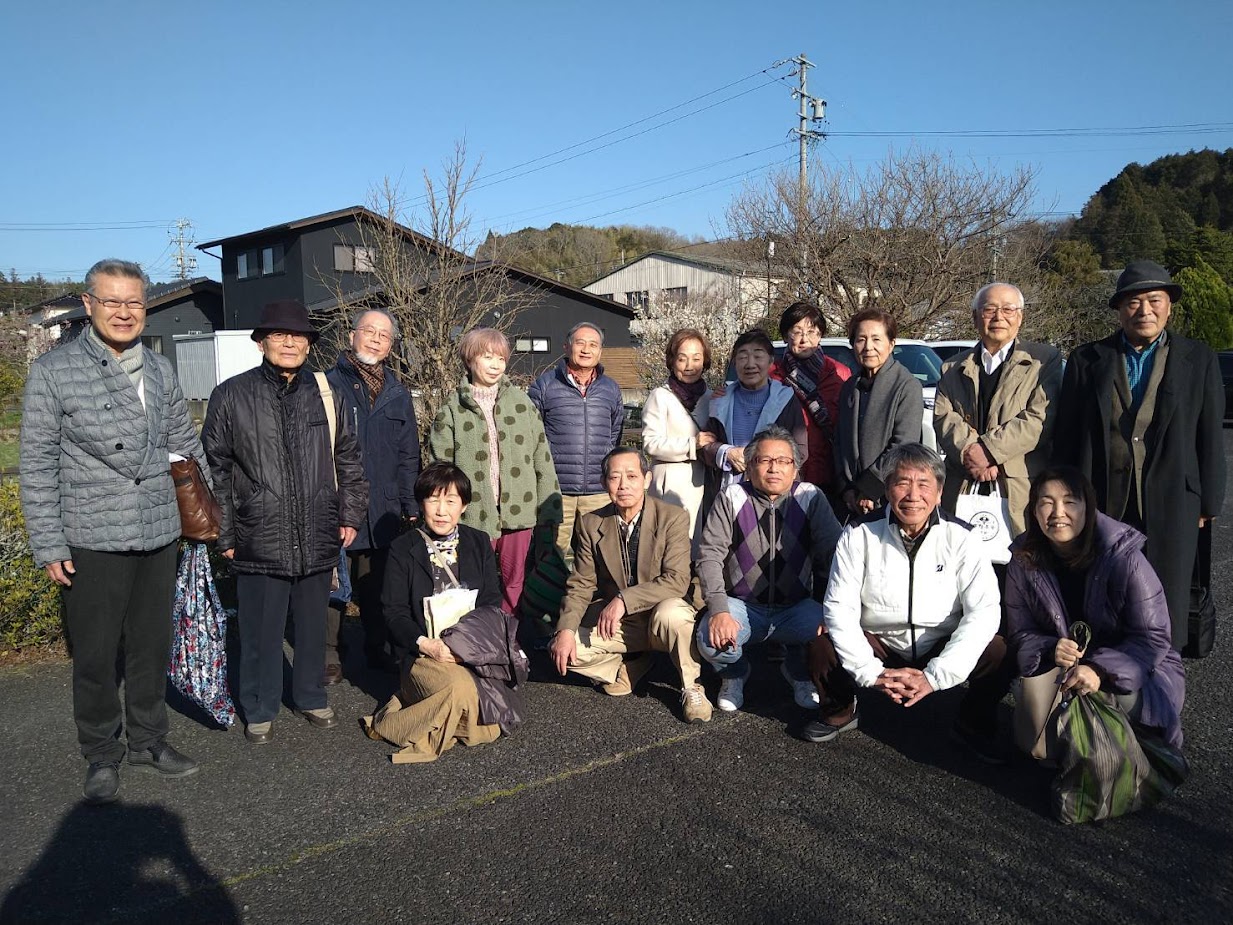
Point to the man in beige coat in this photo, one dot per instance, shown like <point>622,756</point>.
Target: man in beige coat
<point>995,404</point>
<point>628,588</point>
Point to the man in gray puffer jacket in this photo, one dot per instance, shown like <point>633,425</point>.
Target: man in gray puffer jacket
<point>102,414</point>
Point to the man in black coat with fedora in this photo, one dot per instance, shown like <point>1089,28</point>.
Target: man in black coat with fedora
<point>290,495</point>
<point>1141,415</point>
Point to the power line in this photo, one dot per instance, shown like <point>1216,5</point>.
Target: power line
<point>1185,128</point>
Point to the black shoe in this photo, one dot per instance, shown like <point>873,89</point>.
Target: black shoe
<point>983,746</point>
<point>259,733</point>
<point>819,730</point>
<point>102,782</point>
<point>163,759</point>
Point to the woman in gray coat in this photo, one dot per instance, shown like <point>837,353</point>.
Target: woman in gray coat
<point>878,409</point>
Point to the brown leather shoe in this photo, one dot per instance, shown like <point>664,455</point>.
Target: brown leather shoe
<point>259,733</point>
<point>628,676</point>
<point>322,718</point>
<point>333,674</point>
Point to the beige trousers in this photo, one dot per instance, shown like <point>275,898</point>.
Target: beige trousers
<point>437,706</point>
<point>669,627</point>
<point>574,507</point>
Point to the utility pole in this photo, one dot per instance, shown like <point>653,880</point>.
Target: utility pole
<point>182,237</point>
<point>810,109</point>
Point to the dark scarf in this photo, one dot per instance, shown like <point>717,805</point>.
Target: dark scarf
<point>687,395</point>
<point>372,376</point>
<point>805,376</point>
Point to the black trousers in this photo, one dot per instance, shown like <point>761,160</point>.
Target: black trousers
<point>120,601</point>
<point>367,580</point>
<point>263,604</point>
<point>987,684</point>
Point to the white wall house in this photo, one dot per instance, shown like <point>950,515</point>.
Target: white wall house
<point>661,276</point>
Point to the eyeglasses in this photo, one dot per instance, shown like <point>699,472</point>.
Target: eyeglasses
<point>382,337</point>
<point>782,462</point>
<point>287,337</point>
<point>808,333</point>
<point>114,304</point>
<point>990,311</point>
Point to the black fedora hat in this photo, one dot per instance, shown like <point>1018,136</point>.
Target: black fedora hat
<point>1143,276</point>
<point>284,315</point>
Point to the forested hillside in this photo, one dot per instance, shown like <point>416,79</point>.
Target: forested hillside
<point>577,254</point>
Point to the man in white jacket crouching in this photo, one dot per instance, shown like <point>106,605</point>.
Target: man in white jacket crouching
<point>911,608</point>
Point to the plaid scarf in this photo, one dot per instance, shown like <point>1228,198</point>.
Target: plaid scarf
<point>805,376</point>
<point>372,375</point>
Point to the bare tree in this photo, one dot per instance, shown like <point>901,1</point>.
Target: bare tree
<point>417,255</point>
<point>916,235</point>
<point>718,312</point>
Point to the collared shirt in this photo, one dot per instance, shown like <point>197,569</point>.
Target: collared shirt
<point>584,379</point>
<point>991,361</point>
<point>1139,365</point>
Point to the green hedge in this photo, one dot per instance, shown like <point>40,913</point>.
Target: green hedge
<point>29,602</point>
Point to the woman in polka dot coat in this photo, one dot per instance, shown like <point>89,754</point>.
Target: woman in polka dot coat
<point>490,430</point>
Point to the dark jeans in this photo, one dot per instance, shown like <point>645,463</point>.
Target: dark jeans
<point>367,580</point>
<point>120,601</point>
<point>987,684</point>
<point>263,602</point>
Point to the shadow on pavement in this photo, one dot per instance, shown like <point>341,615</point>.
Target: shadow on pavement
<point>118,863</point>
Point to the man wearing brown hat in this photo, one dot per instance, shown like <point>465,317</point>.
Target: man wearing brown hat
<point>1141,415</point>
<point>289,479</point>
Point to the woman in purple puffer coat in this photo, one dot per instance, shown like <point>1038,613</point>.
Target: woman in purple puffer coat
<point>1074,563</point>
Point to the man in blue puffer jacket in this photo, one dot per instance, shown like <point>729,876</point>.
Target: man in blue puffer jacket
<point>583,416</point>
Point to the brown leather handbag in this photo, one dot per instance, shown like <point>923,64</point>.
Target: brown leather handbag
<point>200,516</point>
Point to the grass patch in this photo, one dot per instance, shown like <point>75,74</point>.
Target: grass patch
<point>9,451</point>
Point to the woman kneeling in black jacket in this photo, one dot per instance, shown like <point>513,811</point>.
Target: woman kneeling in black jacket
<point>461,687</point>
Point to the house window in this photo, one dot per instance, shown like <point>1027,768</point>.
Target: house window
<point>531,344</point>
<point>676,294</point>
<point>348,258</point>
<point>638,299</point>
<point>610,296</point>
<point>271,260</point>
<point>265,261</point>
<point>154,342</point>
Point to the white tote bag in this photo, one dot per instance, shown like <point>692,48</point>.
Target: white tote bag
<point>989,516</point>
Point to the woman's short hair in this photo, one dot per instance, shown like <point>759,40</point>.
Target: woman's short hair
<point>440,477</point>
<point>1035,548</point>
<point>679,339</point>
<point>797,312</point>
<point>478,341</point>
<point>755,337</point>
<point>873,314</point>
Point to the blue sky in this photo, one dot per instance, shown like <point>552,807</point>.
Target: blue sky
<point>126,116</point>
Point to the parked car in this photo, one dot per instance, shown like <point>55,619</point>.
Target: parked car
<point>947,349</point>
<point>1226,373</point>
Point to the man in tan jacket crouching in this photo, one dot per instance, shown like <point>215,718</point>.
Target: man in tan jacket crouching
<point>628,591</point>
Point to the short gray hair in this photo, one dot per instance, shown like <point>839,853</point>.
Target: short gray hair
<point>358,316</point>
<point>569,336</point>
<point>114,267</point>
<point>643,460</point>
<point>774,432</point>
<point>978,300</point>
<point>913,456</point>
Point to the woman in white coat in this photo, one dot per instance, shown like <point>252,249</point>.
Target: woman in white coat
<point>673,423</point>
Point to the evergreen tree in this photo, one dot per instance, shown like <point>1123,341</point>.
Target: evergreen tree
<point>1206,305</point>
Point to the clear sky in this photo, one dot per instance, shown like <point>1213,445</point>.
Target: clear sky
<point>124,116</point>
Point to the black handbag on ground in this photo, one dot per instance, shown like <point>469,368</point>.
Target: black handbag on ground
<point>1201,622</point>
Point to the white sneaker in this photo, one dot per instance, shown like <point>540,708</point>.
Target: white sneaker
<point>805,693</point>
<point>731,694</point>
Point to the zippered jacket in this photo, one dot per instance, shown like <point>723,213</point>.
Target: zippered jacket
<point>945,589</point>
<point>581,428</point>
<point>390,446</point>
<point>774,554</point>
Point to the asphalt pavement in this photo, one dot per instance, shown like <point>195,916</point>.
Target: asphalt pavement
<point>606,810</point>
